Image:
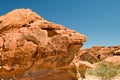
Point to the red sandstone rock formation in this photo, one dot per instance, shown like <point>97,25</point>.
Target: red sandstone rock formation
<point>29,43</point>
<point>97,53</point>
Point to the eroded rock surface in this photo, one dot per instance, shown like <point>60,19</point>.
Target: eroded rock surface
<point>98,53</point>
<point>113,59</point>
<point>29,42</point>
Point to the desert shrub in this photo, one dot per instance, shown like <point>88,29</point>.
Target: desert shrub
<point>105,71</point>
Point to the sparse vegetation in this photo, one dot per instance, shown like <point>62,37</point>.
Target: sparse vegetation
<point>105,71</point>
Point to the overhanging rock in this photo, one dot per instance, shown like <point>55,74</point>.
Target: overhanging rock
<point>27,41</point>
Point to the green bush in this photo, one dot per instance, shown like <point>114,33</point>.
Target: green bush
<point>105,71</point>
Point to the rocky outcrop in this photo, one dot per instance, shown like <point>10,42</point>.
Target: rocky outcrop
<point>28,42</point>
<point>79,68</point>
<point>97,53</point>
<point>113,59</point>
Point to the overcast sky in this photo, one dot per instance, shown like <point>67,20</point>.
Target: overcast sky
<point>99,20</point>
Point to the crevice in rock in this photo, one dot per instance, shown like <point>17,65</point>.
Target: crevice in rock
<point>24,25</point>
<point>1,61</point>
<point>98,56</point>
<point>51,32</point>
<point>1,55</point>
<point>116,55</point>
<point>3,46</point>
<point>36,53</point>
<point>0,21</point>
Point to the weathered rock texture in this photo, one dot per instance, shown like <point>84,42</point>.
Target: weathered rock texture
<point>27,42</point>
<point>97,53</point>
<point>113,59</point>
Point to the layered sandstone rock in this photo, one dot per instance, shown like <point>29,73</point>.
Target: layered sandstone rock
<point>27,42</point>
<point>97,53</point>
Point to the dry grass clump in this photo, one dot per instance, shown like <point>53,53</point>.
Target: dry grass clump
<point>105,71</point>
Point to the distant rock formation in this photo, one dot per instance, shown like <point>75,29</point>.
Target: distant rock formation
<point>113,59</point>
<point>97,53</point>
<point>29,42</point>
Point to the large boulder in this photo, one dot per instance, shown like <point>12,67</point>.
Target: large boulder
<point>29,42</point>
